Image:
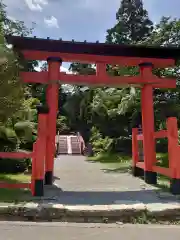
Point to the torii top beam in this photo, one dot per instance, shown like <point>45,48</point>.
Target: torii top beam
<point>41,49</point>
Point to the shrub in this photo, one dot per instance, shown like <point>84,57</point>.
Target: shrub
<point>14,165</point>
<point>62,125</point>
<point>8,143</point>
<point>26,132</point>
<point>162,145</point>
<point>8,139</point>
<point>122,145</point>
<point>99,143</point>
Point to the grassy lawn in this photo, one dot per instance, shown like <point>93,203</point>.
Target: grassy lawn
<point>113,162</point>
<point>122,163</point>
<point>162,161</point>
<point>14,195</point>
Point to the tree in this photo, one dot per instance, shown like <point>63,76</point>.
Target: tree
<point>82,68</point>
<point>133,24</point>
<point>12,93</point>
<point>17,107</point>
<point>115,111</point>
<point>133,27</point>
<point>166,101</point>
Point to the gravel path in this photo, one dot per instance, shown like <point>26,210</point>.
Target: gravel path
<point>86,183</point>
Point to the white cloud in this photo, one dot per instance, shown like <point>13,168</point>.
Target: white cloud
<point>11,18</point>
<point>51,22</point>
<point>36,5</point>
<point>63,69</point>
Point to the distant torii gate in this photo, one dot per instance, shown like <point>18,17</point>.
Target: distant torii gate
<point>56,51</point>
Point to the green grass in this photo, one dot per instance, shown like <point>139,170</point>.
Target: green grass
<point>14,195</point>
<point>122,163</point>
<point>162,161</point>
<point>113,162</point>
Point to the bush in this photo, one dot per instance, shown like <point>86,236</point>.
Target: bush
<point>62,125</point>
<point>8,139</point>
<point>99,143</point>
<point>122,145</point>
<point>26,132</point>
<point>162,145</point>
<point>14,165</point>
<point>28,145</point>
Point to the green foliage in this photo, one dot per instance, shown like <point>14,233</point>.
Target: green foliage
<point>25,123</point>
<point>133,24</point>
<point>11,94</point>
<point>99,143</point>
<point>8,139</point>
<point>62,125</point>
<point>9,142</point>
<point>25,131</point>
<point>82,68</point>
<point>14,165</point>
<point>17,113</point>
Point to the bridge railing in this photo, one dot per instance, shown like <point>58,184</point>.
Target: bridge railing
<point>173,171</point>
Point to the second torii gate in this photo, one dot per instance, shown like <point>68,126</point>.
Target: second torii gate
<point>57,51</point>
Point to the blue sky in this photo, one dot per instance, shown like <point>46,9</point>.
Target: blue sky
<point>79,19</point>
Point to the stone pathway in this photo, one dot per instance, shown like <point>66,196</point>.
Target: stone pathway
<point>78,182</point>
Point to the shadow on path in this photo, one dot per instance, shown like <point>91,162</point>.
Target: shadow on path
<point>145,196</point>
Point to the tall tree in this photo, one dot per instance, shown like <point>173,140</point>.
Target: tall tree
<point>133,24</point>
<point>12,92</point>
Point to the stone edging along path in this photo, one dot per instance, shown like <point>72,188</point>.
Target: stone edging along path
<point>85,213</point>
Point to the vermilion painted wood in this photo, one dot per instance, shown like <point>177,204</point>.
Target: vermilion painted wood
<point>148,120</point>
<point>41,146</point>
<point>88,48</point>
<point>178,162</point>
<point>111,81</point>
<point>52,101</point>
<point>33,174</point>
<point>135,155</point>
<point>140,165</point>
<point>172,133</point>
<point>88,58</point>
<point>15,155</point>
<point>171,83</point>
<point>162,170</point>
<point>101,70</point>
<point>15,185</point>
<point>139,137</point>
<point>161,134</point>
<point>100,80</point>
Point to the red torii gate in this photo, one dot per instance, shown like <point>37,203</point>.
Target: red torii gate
<point>56,51</point>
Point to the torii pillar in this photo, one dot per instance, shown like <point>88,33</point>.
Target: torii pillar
<point>54,64</point>
<point>148,124</point>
